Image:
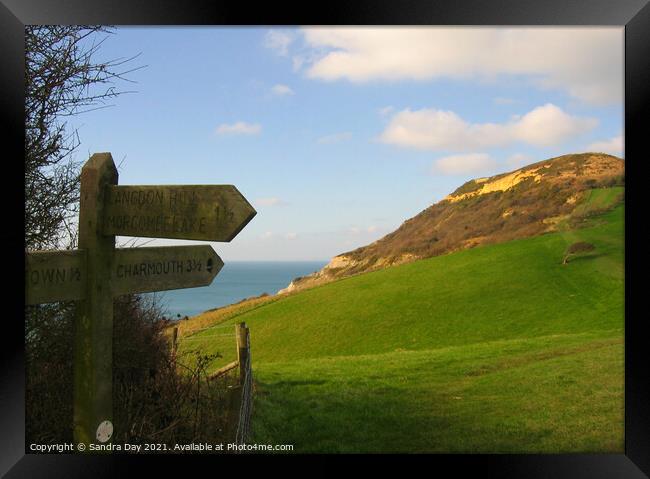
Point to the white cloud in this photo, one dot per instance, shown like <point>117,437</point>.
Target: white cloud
<point>239,128</point>
<point>277,237</point>
<point>585,62</point>
<point>463,164</point>
<point>278,41</point>
<point>504,101</point>
<point>613,146</point>
<point>519,159</point>
<point>335,138</point>
<point>271,201</point>
<point>281,90</point>
<point>435,130</point>
<point>297,61</point>
<point>548,125</point>
<point>368,231</point>
<point>385,110</point>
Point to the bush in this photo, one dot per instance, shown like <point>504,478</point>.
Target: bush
<point>157,397</point>
<point>577,248</point>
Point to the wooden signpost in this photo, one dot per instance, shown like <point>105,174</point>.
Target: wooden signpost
<point>197,212</point>
<point>60,275</point>
<point>97,272</point>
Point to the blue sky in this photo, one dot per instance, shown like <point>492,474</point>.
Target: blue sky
<point>338,135</point>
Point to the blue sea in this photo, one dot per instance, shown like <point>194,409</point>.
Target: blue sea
<point>237,280</point>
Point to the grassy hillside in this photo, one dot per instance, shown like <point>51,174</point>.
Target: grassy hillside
<point>496,348</point>
<point>520,204</point>
<point>599,199</point>
<point>550,394</point>
<point>510,290</point>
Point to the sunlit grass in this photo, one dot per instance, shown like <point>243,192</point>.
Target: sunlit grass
<point>500,348</point>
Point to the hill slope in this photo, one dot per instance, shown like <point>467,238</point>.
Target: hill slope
<point>498,348</point>
<point>523,203</point>
<point>493,292</point>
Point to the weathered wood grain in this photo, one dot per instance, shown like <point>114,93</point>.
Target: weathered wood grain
<point>223,370</point>
<point>194,212</point>
<point>59,275</point>
<point>54,276</point>
<point>140,270</point>
<point>93,337</point>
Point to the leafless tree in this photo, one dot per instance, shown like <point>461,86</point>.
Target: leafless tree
<point>152,400</point>
<point>62,79</point>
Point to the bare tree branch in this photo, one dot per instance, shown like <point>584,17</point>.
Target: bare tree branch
<point>62,79</point>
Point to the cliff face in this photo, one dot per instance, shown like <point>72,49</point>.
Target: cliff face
<point>532,200</point>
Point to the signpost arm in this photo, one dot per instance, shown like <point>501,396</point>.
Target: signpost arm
<point>93,342</point>
<point>96,272</point>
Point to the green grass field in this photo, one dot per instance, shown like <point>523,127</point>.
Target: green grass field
<point>500,348</point>
<point>598,199</point>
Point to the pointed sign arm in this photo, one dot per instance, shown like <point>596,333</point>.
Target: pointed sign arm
<point>194,212</point>
<point>52,276</point>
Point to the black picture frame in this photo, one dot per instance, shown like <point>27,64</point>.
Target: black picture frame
<point>634,15</point>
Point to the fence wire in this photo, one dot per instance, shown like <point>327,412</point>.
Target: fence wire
<point>217,326</point>
<point>207,336</point>
<point>246,404</point>
<point>246,409</point>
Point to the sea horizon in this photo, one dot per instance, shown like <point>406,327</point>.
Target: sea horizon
<point>237,280</point>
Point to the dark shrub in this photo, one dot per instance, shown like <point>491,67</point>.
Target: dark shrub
<point>577,248</point>
<point>157,397</point>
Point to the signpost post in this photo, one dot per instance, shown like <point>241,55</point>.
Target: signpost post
<point>97,271</point>
<point>93,337</point>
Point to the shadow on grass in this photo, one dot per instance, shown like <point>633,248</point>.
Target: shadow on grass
<point>585,257</point>
<point>312,382</point>
<point>358,420</point>
<point>554,401</point>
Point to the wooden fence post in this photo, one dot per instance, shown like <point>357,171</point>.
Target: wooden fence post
<point>233,404</point>
<point>93,341</point>
<point>243,345</point>
<point>175,341</point>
